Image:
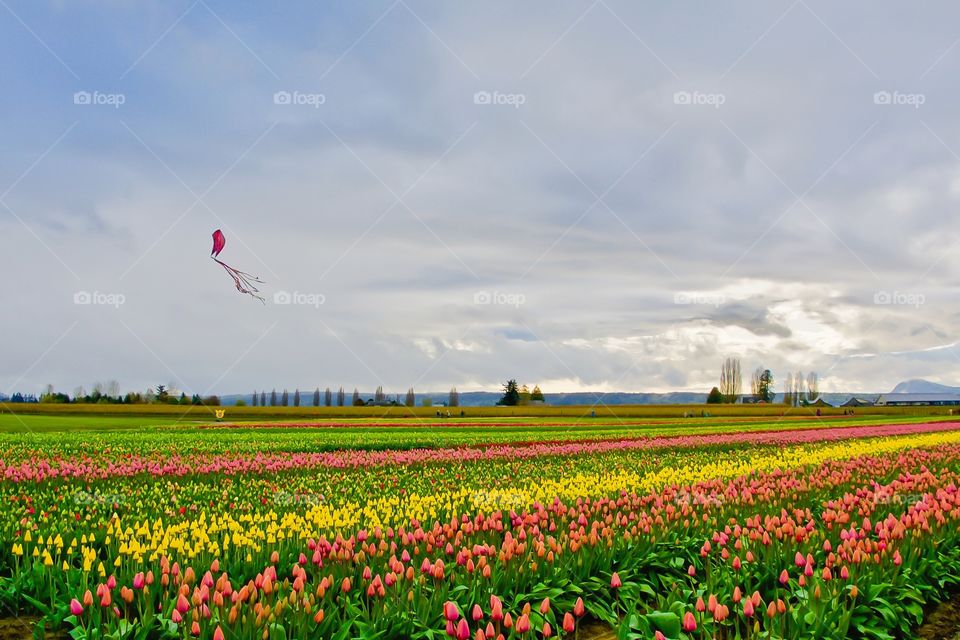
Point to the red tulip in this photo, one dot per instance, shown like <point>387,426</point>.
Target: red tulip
<point>615,582</point>
<point>689,622</point>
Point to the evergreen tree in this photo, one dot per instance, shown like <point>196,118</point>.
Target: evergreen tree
<point>316,397</point>
<point>273,398</point>
<point>411,398</point>
<point>511,394</point>
<point>285,398</point>
<point>327,397</point>
<point>341,397</point>
<point>296,397</point>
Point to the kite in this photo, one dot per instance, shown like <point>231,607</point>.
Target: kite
<point>244,281</point>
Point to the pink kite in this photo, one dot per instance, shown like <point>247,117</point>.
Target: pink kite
<point>244,281</point>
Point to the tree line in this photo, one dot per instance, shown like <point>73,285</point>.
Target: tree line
<point>799,389</point>
<point>329,398</point>
<point>514,395</point>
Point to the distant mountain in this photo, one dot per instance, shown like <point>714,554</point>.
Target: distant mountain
<point>923,386</point>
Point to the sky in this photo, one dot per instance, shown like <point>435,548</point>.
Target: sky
<point>586,195</point>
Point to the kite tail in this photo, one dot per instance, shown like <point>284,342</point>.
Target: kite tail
<point>243,281</point>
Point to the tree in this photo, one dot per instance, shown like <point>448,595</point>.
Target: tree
<point>453,400</point>
<point>296,397</point>
<point>255,397</point>
<point>755,383</point>
<point>715,396</point>
<point>161,392</point>
<point>356,398</point>
<point>536,395</point>
<point>327,397</point>
<point>379,397</point>
<point>511,394</point>
<point>731,380</point>
<point>813,386</point>
<point>411,399</point>
<point>316,397</point>
<point>341,397</point>
<point>263,398</point>
<point>765,392</point>
<point>273,398</point>
<point>524,395</point>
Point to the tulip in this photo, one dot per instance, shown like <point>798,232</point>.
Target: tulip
<point>75,607</point>
<point>578,608</point>
<point>569,624</point>
<point>523,624</point>
<point>450,611</point>
<point>689,622</point>
<point>615,582</point>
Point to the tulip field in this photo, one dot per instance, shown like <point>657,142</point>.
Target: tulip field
<point>661,529</point>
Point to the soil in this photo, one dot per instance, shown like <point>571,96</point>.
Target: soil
<point>942,622</point>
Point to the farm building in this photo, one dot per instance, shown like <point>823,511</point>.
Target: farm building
<point>919,400</point>
<point>858,402</point>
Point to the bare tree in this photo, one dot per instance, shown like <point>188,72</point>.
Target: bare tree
<point>731,380</point>
<point>411,398</point>
<point>454,399</point>
<point>756,381</point>
<point>356,397</point>
<point>113,389</point>
<point>813,386</point>
<point>378,396</point>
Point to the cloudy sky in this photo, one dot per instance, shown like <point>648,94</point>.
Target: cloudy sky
<point>591,195</point>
